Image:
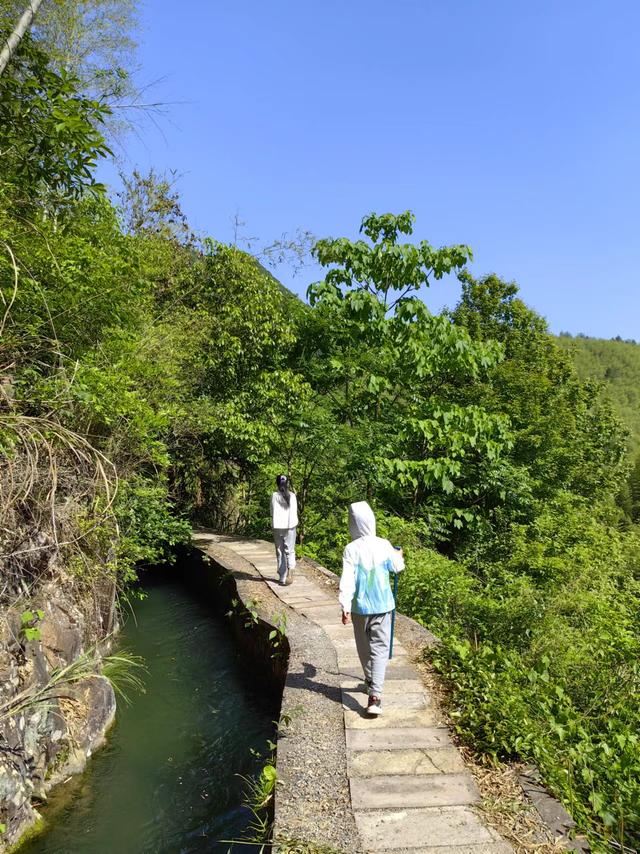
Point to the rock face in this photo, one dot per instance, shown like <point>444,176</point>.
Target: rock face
<point>55,707</point>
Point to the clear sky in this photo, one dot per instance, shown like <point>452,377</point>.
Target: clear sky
<point>511,126</point>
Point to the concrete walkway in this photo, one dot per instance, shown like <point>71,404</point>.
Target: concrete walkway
<point>410,791</point>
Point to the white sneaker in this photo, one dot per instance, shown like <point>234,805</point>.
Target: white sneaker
<point>374,706</point>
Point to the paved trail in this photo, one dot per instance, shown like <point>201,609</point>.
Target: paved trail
<point>410,791</point>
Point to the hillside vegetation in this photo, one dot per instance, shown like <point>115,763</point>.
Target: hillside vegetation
<point>152,379</point>
<point>615,363</point>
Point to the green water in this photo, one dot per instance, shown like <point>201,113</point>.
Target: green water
<point>167,779</point>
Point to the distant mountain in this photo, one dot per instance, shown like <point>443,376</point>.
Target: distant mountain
<point>617,364</point>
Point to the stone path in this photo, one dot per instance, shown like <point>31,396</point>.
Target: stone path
<point>410,791</point>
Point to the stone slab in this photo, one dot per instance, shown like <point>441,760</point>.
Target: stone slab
<point>348,645</point>
<point>398,738</point>
<point>371,763</point>
<point>303,599</point>
<point>353,670</point>
<point>357,701</point>
<point>320,610</point>
<point>301,591</point>
<point>482,848</point>
<point>320,620</point>
<point>409,791</point>
<point>390,719</point>
<point>400,671</point>
<point>398,660</point>
<point>349,665</point>
<point>244,548</point>
<point>412,828</point>
<point>297,602</point>
<point>352,674</point>
<point>391,686</point>
<point>340,631</point>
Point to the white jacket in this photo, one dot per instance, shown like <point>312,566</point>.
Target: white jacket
<point>281,515</point>
<point>366,564</point>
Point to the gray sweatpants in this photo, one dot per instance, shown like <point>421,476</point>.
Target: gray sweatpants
<point>285,540</point>
<point>373,637</point>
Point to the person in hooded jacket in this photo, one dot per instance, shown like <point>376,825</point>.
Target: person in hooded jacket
<point>284,520</point>
<point>366,598</point>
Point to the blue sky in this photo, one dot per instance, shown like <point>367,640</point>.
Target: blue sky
<point>512,127</point>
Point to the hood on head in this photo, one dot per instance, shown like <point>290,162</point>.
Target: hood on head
<point>362,522</point>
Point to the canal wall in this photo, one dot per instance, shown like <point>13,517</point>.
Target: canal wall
<point>55,708</point>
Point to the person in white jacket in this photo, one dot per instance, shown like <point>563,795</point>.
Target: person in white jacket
<point>284,520</point>
<point>366,598</point>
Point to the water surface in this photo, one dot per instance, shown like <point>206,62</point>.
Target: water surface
<point>167,780</point>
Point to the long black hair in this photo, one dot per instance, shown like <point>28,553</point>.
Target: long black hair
<point>282,482</point>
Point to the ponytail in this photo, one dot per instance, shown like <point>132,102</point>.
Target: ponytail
<point>282,482</point>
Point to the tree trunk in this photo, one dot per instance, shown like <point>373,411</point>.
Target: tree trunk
<point>16,36</point>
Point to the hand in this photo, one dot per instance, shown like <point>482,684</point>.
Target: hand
<point>346,618</point>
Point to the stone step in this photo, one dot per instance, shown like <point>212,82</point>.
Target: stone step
<point>348,644</point>
<point>371,763</point>
<point>400,658</point>
<point>357,701</point>
<point>408,791</point>
<point>398,738</point>
<point>393,664</point>
<point>390,719</point>
<point>391,686</point>
<point>340,632</point>
<point>344,644</point>
<point>397,670</point>
<point>304,592</point>
<point>407,829</point>
<point>482,848</point>
<point>315,607</point>
<point>353,671</point>
<point>297,602</point>
<point>350,664</point>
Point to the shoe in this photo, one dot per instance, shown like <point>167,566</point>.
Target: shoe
<point>289,579</point>
<point>374,706</point>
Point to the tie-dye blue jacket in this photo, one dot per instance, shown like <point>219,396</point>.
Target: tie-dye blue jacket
<point>364,585</point>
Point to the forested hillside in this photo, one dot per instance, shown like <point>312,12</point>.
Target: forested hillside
<point>152,379</point>
<point>616,363</point>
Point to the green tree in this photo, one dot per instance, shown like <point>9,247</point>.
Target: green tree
<point>565,436</point>
<point>381,362</point>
